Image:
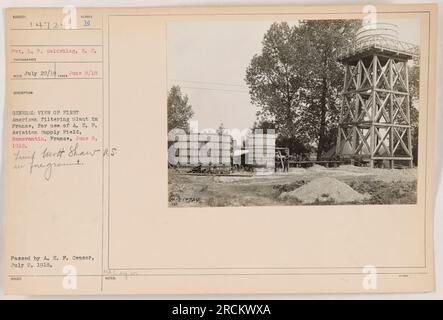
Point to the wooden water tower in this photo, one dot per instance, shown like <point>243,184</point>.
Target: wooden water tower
<point>375,122</point>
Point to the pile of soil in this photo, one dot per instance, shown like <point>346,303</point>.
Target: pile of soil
<point>316,167</point>
<point>327,190</point>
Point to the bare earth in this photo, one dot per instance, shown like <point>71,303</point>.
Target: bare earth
<point>312,186</point>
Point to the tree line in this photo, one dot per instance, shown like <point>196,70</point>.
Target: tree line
<point>296,80</point>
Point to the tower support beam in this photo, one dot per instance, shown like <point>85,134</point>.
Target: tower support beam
<point>375,123</point>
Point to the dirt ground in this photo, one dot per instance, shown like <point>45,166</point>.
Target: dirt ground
<point>311,186</point>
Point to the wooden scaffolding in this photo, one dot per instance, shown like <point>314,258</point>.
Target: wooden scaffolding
<point>375,122</point>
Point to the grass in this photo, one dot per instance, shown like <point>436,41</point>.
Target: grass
<point>381,192</point>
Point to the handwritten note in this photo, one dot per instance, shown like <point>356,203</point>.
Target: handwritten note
<point>61,56</point>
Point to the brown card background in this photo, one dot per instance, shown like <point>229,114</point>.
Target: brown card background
<point>115,208</point>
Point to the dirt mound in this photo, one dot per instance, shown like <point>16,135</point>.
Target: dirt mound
<point>327,190</point>
<point>316,167</point>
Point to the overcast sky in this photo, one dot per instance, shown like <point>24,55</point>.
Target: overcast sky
<point>208,59</point>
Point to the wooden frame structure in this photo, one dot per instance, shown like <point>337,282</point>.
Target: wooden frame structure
<point>375,122</point>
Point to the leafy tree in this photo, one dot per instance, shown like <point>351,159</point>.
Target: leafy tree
<point>324,38</point>
<point>179,110</point>
<point>275,79</point>
<point>296,79</point>
<point>414,86</point>
<point>414,82</point>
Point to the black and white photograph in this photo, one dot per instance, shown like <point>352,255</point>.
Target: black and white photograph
<point>306,112</point>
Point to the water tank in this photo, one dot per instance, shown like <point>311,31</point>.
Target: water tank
<point>375,30</point>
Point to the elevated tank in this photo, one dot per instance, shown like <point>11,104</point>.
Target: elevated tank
<point>380,37</point>
<point>377,30</point>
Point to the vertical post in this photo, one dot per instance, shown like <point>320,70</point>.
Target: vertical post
<point>253,148</point>
<point>408,113</point>
<point>220,148</point>
<point>391,112</point>
<point>373,110</point>
<point>356,111</point>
